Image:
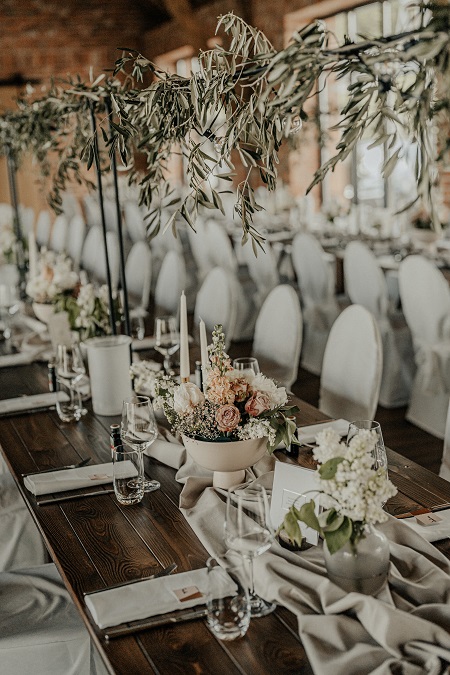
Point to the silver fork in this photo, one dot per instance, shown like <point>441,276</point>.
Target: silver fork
<point>83,462</point>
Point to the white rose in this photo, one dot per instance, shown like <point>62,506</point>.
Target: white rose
<point>186,397</point>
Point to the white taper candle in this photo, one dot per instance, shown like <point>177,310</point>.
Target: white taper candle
<point>185,369</point>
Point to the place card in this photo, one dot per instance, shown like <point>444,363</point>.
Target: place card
<point>293,483</point>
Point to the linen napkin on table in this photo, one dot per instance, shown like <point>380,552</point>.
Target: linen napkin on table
<point>19,359</point>
<point>167,450</point>
<point>28,403</point>
<point>70,479</point>
<point>432,532</point>
<point>146,598</point>
<point>308,434</point>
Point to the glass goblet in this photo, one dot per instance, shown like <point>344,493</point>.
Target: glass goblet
<point>70,370</point>
<point>249,532</point>
<point>167,339</point>
<point>247,364</point>
<point>138,429</point>
<point>379,453</point>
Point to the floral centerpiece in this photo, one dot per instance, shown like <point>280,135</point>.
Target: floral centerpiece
<point>55,277</point>
<point>352,491</point>
<point>7,235</point>
<point>144,375</point>
<point>88,310</point>
<point>234,405</point>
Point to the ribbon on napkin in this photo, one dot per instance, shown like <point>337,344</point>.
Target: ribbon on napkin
<point>71,479</point>
<point>144,599</point>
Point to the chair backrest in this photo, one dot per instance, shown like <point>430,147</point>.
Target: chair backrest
<point>220,249</point>
<point>26,218</point>
<point>278,332</point>
<point>112,244</point>
<point>200,249</point>
<point>170,283</point>
<point>365,282</point>
<point>425,297</point>
<point>92,210</point>
<point>134,221</point>
<point>75,239</point>
<point>138,272</point>
<point>352,366</point>
<point>314,275</point>
<point>92,246</point>
<point>110,210</point>
<point>444,471</point>
<point>93,255</point>
<point>58,237</point>
<point>43,225</point>
<point>262,268</point>
<point>70,206</point>
<point>216,302</point>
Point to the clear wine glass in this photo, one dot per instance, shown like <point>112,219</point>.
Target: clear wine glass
<point>246,364</point>
<point>9,302</point>
<point>379,454</point>
<point>248,531</point>
<point>71,369</point>
<point>139,429</point>
<point>167,339</point>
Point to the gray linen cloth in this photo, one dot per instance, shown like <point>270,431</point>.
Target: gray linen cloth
<point>404,630</point>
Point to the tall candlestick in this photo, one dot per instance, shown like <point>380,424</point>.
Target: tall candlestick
<point>32,254</point>
<point>203,350</point>
<point>185,369</point>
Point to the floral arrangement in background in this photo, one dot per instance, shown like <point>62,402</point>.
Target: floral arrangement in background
<point>234,405</point>
<point>144,375</point>
<point>55,277</point>
<point>352,491</point>
<point>333,209</point>
<point>88,310</point>
<point>7,235</point>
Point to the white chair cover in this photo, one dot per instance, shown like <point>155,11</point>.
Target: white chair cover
<point>92,246</point>
<point>426,304</point>
<point>217,303</point>
<point>58,237</point>
<point>43,225</point>
<point>366,285</point>
<point>134,221</point>
<point>21,544</point>
<point>26,218</point>
<point>92,210</point>
<point>352,366</point>
<point>93,255</point>
<point>138,273</point>
<point>75,239</point>
<point>278,335</point>
<point>110,210</point>
<point>220,249</point>
<point>171,281</point>
<point>70,206</point>
<point>262,269</point>
<point>199,249</point>
<point>444,471</point>
<point>316,281</point>
<point>40,630</point>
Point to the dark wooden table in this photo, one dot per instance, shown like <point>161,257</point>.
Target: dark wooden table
<point>95,542</point>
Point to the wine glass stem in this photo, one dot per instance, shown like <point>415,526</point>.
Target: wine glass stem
<point>251,576</point>
<point>167,364</point>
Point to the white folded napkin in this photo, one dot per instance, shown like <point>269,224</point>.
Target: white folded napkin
<point>432,532</point>
<point>33,324</point>
<point>34,402</point>
<point>147,598</point>
<point>71,479</point>
<point>20,359</point>
<point>308,434</point>
<point>171,453</point>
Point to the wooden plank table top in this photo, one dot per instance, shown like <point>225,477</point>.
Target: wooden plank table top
<point>96,542</point>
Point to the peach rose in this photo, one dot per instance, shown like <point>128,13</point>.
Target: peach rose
<point>227,417</point>
<point>257,403</point>
<point>241,388</point>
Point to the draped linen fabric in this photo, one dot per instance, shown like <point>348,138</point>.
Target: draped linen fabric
<point>171,282</point>
<point>278,335</point>
<point>425,298</point>
<point>316,282</point>
<point>403,630</point>
<point>366,285</point>
<point>352,366</point>
<point>444,470</point>
<point>40,630</point>
<point>262,269</point>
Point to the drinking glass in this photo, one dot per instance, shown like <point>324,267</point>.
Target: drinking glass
<point>9,302</point>
<point>138,430</point>
<point>167,339</point>
<point>227,599</point>
<point>249,532</point>
<point>379,454</point>
<point>128,475</point>
<point>247,364</point>
<point>67,406</point>
<point>70,368</point>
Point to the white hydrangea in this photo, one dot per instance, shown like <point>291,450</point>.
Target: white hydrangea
<point>328,445</point>
<point>55,275</point>
<point>277,395</point>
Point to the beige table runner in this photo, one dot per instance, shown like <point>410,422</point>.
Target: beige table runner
<point>405,630</point>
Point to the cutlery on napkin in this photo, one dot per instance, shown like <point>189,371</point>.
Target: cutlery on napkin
<point>77,495</point>
<point>83,462</point>
<point>162,573</point>
<point>31,403</point>
<point>146,599</point>
<point>70,479</point>
<point>308,434</point>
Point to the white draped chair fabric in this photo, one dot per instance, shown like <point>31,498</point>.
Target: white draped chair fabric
<point>93,255</point>
<point>59,234</point>
<point>262,269</point>
<point>138,275</point>
<point>366,285</point>
<point>43,226</point>
<point>216,302</point>
<point>200,250</point>
<point>170,283</point>
<point>40,630</point>
<point>352,366</point>
<point>26,214</point>
<point>134,221</point>
<point>75,239</point>
<point>316,281</point>
<point>278,335</point>
<point>444,471</point>
<point>425,296</point>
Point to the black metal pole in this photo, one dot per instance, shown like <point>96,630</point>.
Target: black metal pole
<point>112,314</point>
<point>20,258</point>
<point>123,281</point>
